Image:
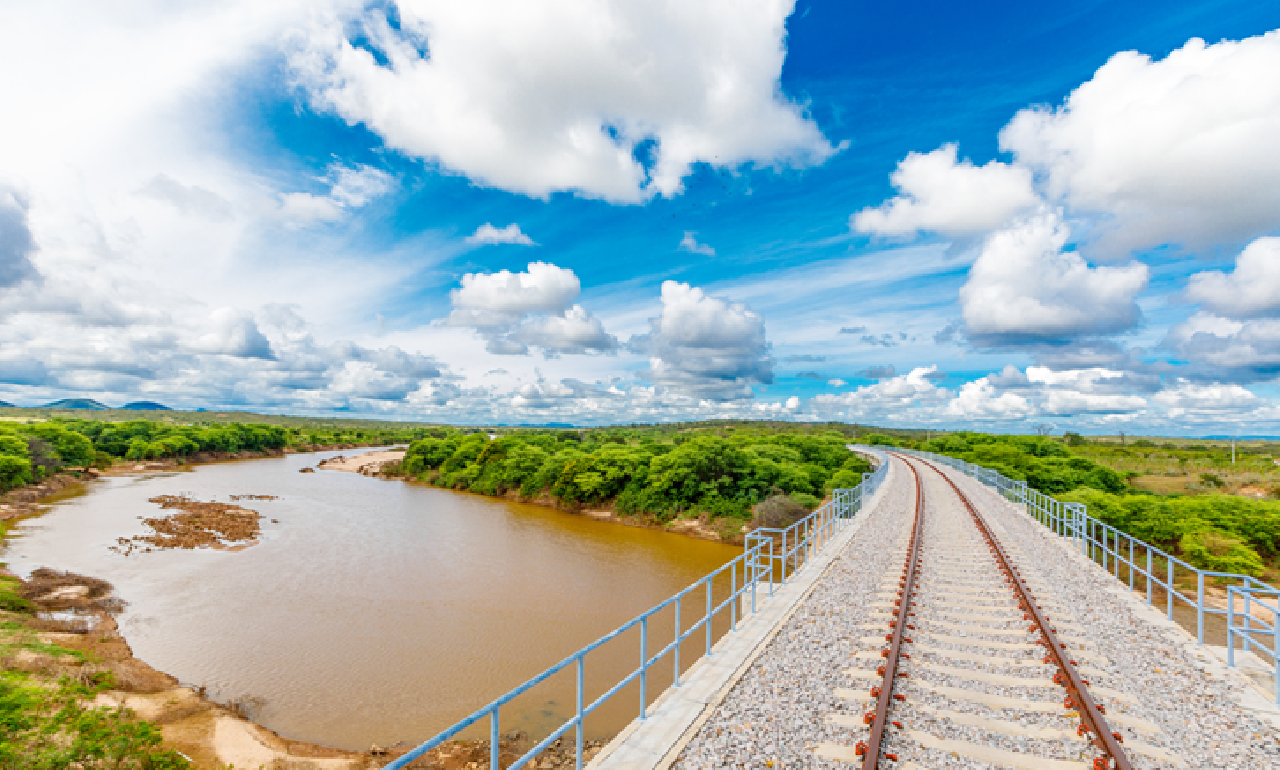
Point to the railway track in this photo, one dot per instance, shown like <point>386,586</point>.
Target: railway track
<point>971,667</point>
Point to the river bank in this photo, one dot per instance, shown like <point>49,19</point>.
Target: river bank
<point>209,725</point>
<point>212,736</point>
<point>26,500</point>
<point>386,464</point>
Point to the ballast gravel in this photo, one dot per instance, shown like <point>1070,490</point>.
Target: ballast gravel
<point>1156,688</point>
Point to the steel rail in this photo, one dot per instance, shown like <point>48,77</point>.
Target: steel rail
<point>871,750</point>
<point>1091,714</point>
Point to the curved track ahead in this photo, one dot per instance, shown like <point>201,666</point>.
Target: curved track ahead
<point>952,560</point>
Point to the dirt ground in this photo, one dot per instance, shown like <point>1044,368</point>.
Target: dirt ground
<point>200,525</point>
<point>1192,484</point>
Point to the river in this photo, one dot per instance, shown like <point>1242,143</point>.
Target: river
<point>373,611</point>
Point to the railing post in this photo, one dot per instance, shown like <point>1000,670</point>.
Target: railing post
<point>1231,627</point>
<point>784,557</point>
<point>677,649</point>
<point>710,615</point>
<point>1275,646</point>
<point>495,740</point>
<point>1130,561</point>
<point>582,663</point>
<point>1151,574</point>
<point>644,664</point>
<point>1200,606</point>
<point>733,598</point>
<point>771,564</point>
<point>1169,586</point>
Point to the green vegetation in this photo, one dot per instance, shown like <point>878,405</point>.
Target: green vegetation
<point>1044,463</point>
<point>1154,456</point>
<point>31,450</point>
<point>47,725</point>
<point>716,470</point>
<point>47,722</point>
<point>1212,531</point>
<point>1223,533</point>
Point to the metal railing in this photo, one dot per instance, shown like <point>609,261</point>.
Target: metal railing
<point>757,569</point>
<point>1145,566</point>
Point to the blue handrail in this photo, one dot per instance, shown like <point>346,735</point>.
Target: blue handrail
<point>1112,548</point>
<point>800,542</point>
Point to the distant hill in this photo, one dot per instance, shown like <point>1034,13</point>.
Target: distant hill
<point>76,403</point>
<point>5,403</point>
<point>146,406</point>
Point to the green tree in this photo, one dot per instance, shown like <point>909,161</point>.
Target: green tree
<point>14,472</point>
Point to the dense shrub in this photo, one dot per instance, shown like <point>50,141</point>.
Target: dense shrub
<point>14,472</point>
<point>1216,532</point>
<point>710,475</point>
<point>778,512</point>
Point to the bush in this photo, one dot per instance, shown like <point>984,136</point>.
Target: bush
<point>778,512</point>
<point>722,508</point>
<point>14,472</point>
<point>808,501</point>
<point>879,439</point>
<point>43,728</point>
<point>15,446</point>
<point>1219,551</point>
<point>11,598</point>
<point>843,480</point>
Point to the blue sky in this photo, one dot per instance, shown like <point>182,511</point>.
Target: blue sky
<point>990,216</point>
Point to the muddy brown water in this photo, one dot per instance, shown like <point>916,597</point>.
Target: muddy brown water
<point>379,611</point>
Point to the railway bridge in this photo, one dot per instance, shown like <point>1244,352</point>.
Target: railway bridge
<point>942,616</point>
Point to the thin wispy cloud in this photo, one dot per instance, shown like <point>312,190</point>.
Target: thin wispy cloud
<point>488,235</point>
<point>690,244</point>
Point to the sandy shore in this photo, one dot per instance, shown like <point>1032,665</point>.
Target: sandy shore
<point>368,463</point>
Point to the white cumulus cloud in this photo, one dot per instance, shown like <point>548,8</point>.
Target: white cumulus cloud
<point>940,194</point>
<point>909,396</point>
<point>1188,400</point>
<point>1251,291</point>
<point>515,310</point>
<point>1085,391</point>
<point>1181,150</point>
<point>565,95</point>
<point>1024,288</point>
<point>1237,350</point>
<point>233,333</point>
<point>981,400</point>
<point>705,347</point>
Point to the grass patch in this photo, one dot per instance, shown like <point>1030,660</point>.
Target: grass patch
<point>46,717</point>
<point>43,727</point>
<point>11,598</point>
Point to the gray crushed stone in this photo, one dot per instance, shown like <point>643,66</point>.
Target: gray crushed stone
<point>778,711</point>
